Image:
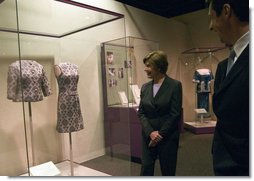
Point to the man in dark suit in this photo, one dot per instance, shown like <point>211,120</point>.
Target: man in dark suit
<point>159,114</point>
<point>230,150</point>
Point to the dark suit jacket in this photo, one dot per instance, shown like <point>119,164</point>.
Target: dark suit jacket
<point>161,112</point>
<point>231,106</point>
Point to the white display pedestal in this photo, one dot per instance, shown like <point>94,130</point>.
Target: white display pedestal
<point>202,125</point>
<point>205,128</point>
<point>45,169</point>
<point>79,170</point>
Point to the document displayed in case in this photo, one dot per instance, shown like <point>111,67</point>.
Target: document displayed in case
<point>123,97</point>
<point>136,93</point>
<point>45,169</point>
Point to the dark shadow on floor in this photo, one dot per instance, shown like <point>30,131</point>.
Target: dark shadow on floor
<point>194,159</point>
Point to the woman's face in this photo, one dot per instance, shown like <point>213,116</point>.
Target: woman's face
<point>151,71</point>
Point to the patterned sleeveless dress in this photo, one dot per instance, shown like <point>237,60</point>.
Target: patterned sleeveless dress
<point>69,117</point>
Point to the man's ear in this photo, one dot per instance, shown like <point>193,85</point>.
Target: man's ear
<point>227,10</point>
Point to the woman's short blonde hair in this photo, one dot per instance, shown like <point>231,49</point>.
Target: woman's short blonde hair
<point>157,59</point>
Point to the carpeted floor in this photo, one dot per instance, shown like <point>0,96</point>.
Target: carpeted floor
<point>194,159</point>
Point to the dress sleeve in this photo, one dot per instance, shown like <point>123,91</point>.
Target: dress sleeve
<point>45,84</point>
<point>12,82</point>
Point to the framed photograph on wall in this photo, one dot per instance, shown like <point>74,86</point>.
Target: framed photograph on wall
<point>110,58</point>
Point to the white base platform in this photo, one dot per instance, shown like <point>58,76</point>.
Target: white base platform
<point>200,128</point>
<point>79,170</point>
<point>204,124</point>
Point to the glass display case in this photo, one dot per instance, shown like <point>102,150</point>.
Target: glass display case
<point>123,76</point>
<point>200,64</point>
<point>36,37</point>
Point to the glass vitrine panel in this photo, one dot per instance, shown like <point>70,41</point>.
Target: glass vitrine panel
<point>35,37</point>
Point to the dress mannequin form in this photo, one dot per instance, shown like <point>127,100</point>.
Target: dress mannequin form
<point>67,78</point>
<point>203,78</point>
<point>57,71</point>
<point>27,82</point>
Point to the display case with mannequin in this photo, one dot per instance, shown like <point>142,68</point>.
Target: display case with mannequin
<point>197,67</point>
<point>34,37</point>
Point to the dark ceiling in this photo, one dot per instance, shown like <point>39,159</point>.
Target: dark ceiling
<point>167,8</point>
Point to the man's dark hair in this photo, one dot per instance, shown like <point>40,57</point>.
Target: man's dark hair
<point>240,7</point>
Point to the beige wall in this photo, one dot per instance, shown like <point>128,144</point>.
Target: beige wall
<point>174,35</point>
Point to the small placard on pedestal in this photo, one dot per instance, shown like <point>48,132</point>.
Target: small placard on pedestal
<point>201,126</point>
<point>200,111</point>
<point>45,169</point>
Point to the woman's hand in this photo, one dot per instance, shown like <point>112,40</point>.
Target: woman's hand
<point>155,138</point>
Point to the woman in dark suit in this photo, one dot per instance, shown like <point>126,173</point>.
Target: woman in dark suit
<point>159,113</point>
